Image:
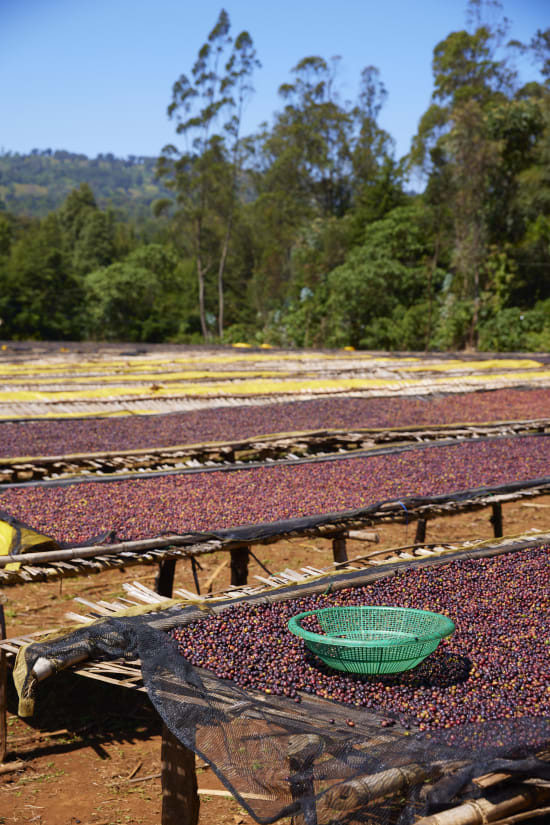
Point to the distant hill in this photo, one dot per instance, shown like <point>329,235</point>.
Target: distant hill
<point>38,183</point>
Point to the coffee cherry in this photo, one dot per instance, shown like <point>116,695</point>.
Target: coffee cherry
<point>494,668</point>
<point>147,507</point>
<point>63,436</point>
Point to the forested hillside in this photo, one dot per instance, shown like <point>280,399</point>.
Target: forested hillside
<point>38,183</point>
<point>307,233</point>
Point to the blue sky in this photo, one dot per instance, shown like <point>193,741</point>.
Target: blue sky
<point>95,76</point>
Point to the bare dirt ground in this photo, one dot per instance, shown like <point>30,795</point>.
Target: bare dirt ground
<point>91,753</point>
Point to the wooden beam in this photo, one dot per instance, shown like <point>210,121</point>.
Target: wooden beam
<point>481,811</point>
<point>364,535</point>
<point>180,798</point>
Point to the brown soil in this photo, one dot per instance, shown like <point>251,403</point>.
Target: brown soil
<point>91,753</point>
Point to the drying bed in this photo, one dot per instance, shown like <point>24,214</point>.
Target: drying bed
<point>343,761</point>
<point>494,667</point>
<point>212,500</point>
<point>65,436</point>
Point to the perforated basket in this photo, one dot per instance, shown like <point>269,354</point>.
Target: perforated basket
<point>373,639</point>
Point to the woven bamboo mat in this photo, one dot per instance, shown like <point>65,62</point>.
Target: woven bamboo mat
<point>66,384</point>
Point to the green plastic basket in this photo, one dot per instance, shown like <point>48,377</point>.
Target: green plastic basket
<point>373,639</point>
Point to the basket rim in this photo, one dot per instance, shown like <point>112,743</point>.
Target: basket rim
<point>295,627</point>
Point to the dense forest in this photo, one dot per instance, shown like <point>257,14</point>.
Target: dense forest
<point>305,234</point>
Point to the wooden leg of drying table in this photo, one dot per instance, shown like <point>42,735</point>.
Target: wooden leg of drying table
<point>496,519</point>
<point>180,798</point>
<point>302,752</point>
<point>339,551</point>
<point>420,536</point>
<point>239,566</point>
<point>164,582</point>
<point>3,691</point>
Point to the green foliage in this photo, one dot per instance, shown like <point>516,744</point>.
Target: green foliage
<point>454,322</point>
<point>389,271</point>
<point>136,299</point>
<point>38,183</point>
<point>240,334</point>
<point>89,233</point>
<point>303,234</point>
<point>6,234</point>
<point>40,297</point>
<point>379,195</point>
<point>407,328</point>
<point>205,176</point>
<point>516,329</point>
<point>303,323</point>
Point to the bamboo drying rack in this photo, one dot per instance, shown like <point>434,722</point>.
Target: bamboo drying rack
<point>24,469</point>
<point>518,799</point>
<point>166,550</point>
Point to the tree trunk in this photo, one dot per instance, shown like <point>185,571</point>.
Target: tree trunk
<point>221,271</point>
<point>201,272</point>
<point>431,271</point>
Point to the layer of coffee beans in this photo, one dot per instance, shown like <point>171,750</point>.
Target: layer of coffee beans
<point>64,436</point>
<point>494,667</point>
<point>180,503</point>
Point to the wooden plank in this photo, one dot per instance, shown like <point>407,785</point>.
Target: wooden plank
<point>110,680</point>
<point>78,618</point>
<point>188,594</point>
<point>293,574</point>
<point>143,594</point>
<point>481,811</point>
<point>271,582</point>
<point>93,606</point>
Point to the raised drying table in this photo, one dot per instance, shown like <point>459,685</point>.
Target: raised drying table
<point>312,741</point>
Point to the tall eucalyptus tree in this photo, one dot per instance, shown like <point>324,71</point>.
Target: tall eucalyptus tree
<point>207,107</point>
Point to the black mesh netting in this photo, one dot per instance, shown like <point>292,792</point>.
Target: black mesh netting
<point>333,761</point>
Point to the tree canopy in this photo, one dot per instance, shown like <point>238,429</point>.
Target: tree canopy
<point>305,233</point>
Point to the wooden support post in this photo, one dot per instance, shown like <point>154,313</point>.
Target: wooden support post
<point>3,691</point>
<point>420,536</point>
<point>303,750</point>
<point>239,566</point>
<point>164,581</point>
<point>194,565</point>
<point>180,798</point>
<point>339,551</point>
<point>496,519</point>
